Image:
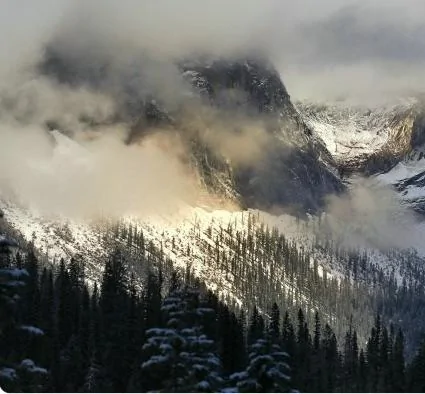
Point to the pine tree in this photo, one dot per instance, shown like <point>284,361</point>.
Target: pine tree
<point>180,357</point>
<point>114,308</point>
<point>302,360</point>
<point>350,362</point>
<point>386,373</point>
<point>94,381</point>
<point>362,379</point>
<point>330,349</point>
<point>32,290</point>
<point>317,331</point>
<point>416,371</point>
<point>17,371</point>
<point>317,357</point>
<point>267,370</point>
<point>274,328</point>
<point>398,367</point>
<point>373,355</point>
<point>256,327</point>
<point>152,301</point>
<point>47,323</point>
<point>288,335</point>
<point>64,307</point>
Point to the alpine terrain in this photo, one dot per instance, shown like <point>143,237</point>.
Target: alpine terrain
<point>175,221</point>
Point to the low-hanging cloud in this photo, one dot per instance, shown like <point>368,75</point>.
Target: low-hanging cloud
<point>241,139</point>
<point>38,101</point>
<point>370,214</point>
<point>113,62</point>
<point>94,177</point>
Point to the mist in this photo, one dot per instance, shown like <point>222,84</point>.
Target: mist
<point>93,177</point>
<point>371,215</point>
<point>115,60</point>
<point>123,53</point>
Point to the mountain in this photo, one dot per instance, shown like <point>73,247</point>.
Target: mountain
<point>364,139</point>
<point>386,142</point>
<point>295,156</point>
<point>289,167</point>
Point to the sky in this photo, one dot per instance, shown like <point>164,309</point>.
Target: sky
<point>361,49</point>
<point>328,49</point>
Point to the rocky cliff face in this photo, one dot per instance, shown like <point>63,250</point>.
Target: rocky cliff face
<point>362,139</point>
<point>294,170</point>
<point>385,142</point>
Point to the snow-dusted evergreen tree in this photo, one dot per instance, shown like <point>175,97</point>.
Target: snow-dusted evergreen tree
<point>17,373</point>
<point>267,370</point>
<point>179,356</point>
<point>10,282</point>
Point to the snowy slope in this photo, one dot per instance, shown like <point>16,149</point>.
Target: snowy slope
<point>403,170</point>
<point>182,237</point>
<point>408,178</point>
<point>353,133</point>
<point>383,141</point>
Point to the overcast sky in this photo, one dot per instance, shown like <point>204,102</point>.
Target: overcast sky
<point>324,49</point>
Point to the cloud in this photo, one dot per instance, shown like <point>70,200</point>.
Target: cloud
<point>165,26</point>
<point>368,51</point>
<point>97,176</point>
<point>39,100</point>
<point>336,49</point>
<point>90,73</point>
<point>239,138</point>
<point>370,214</point>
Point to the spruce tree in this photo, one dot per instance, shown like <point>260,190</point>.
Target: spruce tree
<point>18,332</point>
<point>398,364</point>
<point>267,370</point>
<point>274,327</point>
<point>114,308</point>
<point>180,357</point>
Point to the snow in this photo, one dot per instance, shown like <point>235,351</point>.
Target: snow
<point>165,347</point>
<point>29,365</point>
<point>8,373</point>
<point>15,273</point>
<point>352,132</point>
<point>32,330</point>
<point>203,385</point>
<point>403,170</point>
<point>14,283</point>
<point>230,390</point>
<point>238,375</point>
<point>413,192</point>
<point>48,234</point>
<point>187,227</point>
<point>160,331</point>
<point>155,360</point>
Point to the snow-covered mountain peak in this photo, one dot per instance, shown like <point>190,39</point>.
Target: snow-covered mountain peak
<point>354,133</point>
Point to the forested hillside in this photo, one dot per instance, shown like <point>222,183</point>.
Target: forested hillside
<point>171,334</point>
